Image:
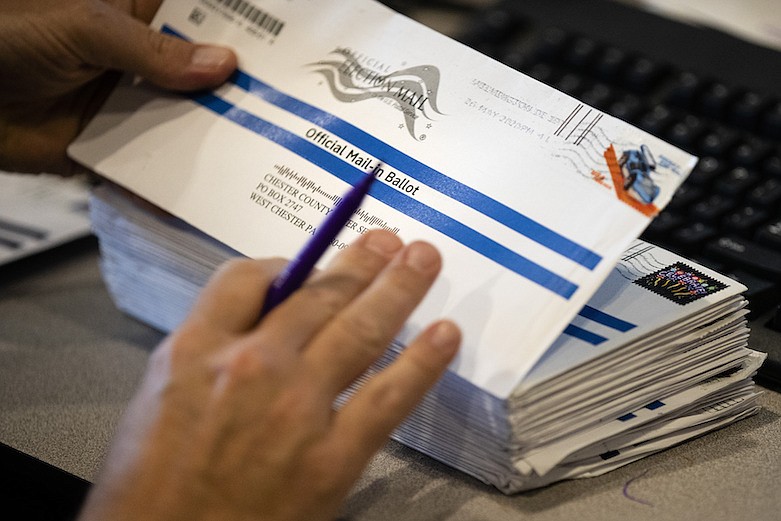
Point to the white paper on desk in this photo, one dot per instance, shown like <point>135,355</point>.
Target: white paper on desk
<point>512,180</point>
<point>40,212</point>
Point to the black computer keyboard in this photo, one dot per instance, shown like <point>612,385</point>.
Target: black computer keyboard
<point>711,94</point>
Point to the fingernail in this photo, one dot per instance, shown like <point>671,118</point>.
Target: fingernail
<point>445,335</point>
<point>421,257</point>
<point>209,57</point>
<point>385,244</point>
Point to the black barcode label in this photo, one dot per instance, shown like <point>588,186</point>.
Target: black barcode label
<point>254,15</point>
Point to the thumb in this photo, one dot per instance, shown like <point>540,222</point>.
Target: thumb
<point>115,40</point>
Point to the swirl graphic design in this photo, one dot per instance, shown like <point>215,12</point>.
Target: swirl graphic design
<point>413,90</point>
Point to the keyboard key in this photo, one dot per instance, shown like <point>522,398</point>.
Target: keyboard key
<point>642,74</point>
<point>581,53</point>
<point>746,110</point>
<point>684,90</point>
<point>551,44</point>
<point>771,166</point>
<point>770,125</point>
<point>609,64</point>
<point>570,83</point>
<point>599,95</point>
<point>692,236</point>
<point>627,107</point>
<point>714,100</point>
<point>496,26</point>
<point>518,59</point>
<point>685,197</point>
<point>656,120</point>
<point>706,171</point>
<point>686,132</point>
<point>766,194</point>
<point>761,293</point>
<point>663,225</point>
<point>711,209</point>
<point>770,235</point>
<point>749,152</point>
<point>718,141</point>
<point>710,262</point>
<point>744,220</point>
<point>750,256</point>
<point>543,72</point>
<point>737,181</point>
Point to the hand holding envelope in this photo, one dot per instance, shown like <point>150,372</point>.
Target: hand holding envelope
<point>60,54</point>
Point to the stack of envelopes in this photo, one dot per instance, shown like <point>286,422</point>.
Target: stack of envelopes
<point>658,355</point>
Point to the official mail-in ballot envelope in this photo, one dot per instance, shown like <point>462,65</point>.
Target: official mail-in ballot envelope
<point>530,195</point>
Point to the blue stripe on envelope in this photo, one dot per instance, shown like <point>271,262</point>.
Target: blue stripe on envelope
<point>600,317</point>
<point>417,170</point>
<point>605,319</point>
<point>421,172</point>
<point>392,197</point>
<point>585,335</point>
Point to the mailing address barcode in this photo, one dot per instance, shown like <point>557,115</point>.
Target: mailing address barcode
<point>254,15</point>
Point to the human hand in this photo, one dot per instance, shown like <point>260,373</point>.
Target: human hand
<point>234,419</point>
<point>59,61</point>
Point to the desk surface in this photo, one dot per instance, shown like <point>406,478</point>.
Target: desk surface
<point>69,362</point>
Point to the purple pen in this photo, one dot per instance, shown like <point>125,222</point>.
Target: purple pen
<point>301,266</point>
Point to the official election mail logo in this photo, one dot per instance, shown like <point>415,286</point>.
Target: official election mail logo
<point>412,91</point>
<point>680,283</point>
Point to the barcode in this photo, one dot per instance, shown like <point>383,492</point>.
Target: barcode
<point>254,15</point>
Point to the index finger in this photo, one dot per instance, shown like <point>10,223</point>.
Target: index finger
<point>233,297</point>
<point>292,324</point>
